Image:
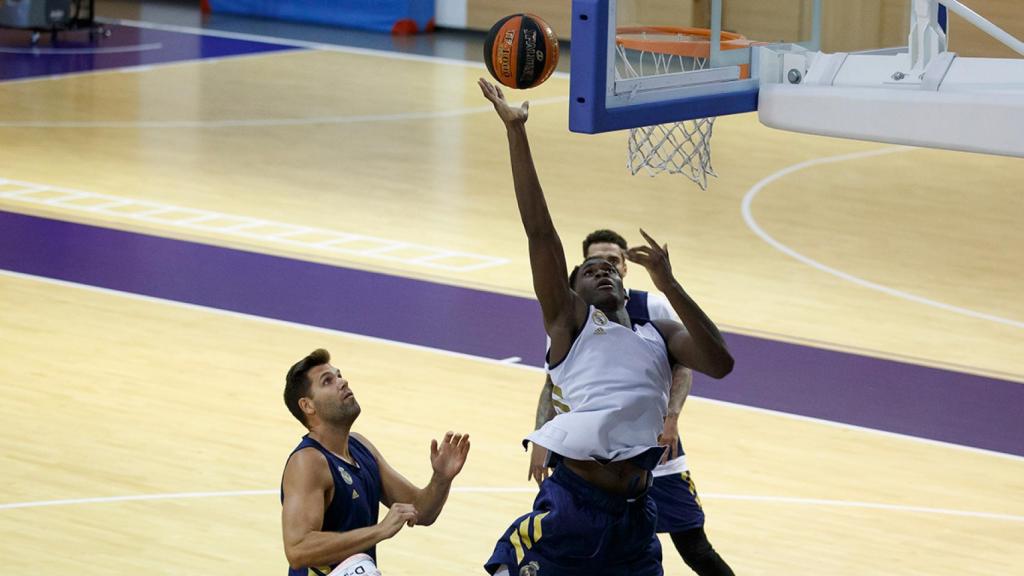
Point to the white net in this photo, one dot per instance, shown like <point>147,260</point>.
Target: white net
<point>677,148</point>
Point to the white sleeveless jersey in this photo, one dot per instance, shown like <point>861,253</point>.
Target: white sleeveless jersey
<point>610,393</point>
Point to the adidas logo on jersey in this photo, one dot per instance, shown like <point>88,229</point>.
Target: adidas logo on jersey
<point>355,495</point>
<point>598,331</point>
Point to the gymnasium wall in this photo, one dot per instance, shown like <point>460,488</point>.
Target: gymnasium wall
<point>847,24</point>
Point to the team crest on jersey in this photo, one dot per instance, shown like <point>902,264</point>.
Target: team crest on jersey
<point>345,475</point>
<point>599,318</point>
<point>531,569</point>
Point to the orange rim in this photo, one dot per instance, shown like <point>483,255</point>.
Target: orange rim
<point>676,40</point>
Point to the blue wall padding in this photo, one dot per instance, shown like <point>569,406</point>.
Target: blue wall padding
<point>377,15</point>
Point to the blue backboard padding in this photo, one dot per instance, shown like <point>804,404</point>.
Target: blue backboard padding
<point>376,15</point>
<point>588,78</point>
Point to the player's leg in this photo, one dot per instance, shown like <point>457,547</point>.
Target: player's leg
<point>698,553</point>
<point>640,541</point>
<point>559,536</point>
<point>680,514</point>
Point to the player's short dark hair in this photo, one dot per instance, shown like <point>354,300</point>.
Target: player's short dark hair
<point>576,271</point>
<point>603,236</point>
<point>297,382</point>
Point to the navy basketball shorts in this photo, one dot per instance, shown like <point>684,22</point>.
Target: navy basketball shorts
<point>678,504</point>
<point>578,530</point>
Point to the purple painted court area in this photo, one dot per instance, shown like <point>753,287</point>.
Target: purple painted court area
<point>849,388</point>
<point>126,46</point>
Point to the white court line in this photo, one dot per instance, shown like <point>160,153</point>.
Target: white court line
<point>287,43</point>
<point>269,122</point>
<point>143,67</point>
<point>768,499</point>
<point>485,360</point>
<point>243,226</point>
<point>748,218</point>
<point>107,50</point>
<point>322,46</point>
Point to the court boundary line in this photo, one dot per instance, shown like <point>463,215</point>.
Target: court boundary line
<point>872,353</point>
<point>62,51</point>
<point>322,46</point>
<point>267,122</point>
<point>485,360</point>
<point>751,223</point>
<point>295,45</point>
<point>823,502</point>
<point>240,226</point>
<point>135,68</point>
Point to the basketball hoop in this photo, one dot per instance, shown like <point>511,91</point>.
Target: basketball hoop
<point>647,51</point>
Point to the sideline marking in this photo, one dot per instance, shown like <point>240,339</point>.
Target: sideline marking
<point>231,225</point>
<point>485,360</point>
<point>748,218</point>
<point>516,489</point>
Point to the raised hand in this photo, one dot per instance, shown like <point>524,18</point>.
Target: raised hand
<point>669,438</point>
<point>538,471</point>
<point>399,515</point>
<point>655,259</point>
<point>448,456</point>
<point>509,114</point>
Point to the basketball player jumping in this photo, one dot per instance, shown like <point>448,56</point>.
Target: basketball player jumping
<point>594,516</point>
<point>335,480</point>
<point>680,513</point>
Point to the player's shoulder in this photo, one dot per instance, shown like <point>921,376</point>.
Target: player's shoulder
<point>307,462</point>
<point>659,308</point>
<point>366,443</point>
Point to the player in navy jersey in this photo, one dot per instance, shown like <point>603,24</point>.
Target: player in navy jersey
<point>594,516</point>
<point>335,480</point>
<point>674,493</point>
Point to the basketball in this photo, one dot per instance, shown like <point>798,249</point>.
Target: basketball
<point>521,51</point>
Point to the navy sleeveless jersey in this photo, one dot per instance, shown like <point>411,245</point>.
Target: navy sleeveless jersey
<point>356,500</point>
<point>636,306</point>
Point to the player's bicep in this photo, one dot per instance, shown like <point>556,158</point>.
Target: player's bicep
<point>679,344</point>
<point>305,486</point>
<point>550,278</point>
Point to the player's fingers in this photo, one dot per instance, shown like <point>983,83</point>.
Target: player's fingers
<point>526,107</point>
<point>648,238</point>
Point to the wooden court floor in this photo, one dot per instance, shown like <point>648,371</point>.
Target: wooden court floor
<point>141,436</point>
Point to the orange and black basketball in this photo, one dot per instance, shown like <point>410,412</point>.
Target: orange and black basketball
<point>521,51</point>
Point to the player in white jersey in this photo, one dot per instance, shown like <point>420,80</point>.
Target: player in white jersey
<point>594,516</point>
<point>680,513</point>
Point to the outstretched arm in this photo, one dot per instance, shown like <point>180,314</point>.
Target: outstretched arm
<point>700,346</point>
<point>547,258</point>
<point>447,458</point>
<point>545,412</point>
<point>682,382</point>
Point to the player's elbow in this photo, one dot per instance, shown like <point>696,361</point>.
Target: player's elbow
<point>722,367</point>
<point>295,556</point>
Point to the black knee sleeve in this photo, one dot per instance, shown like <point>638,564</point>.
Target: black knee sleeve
<point>698,553</point>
